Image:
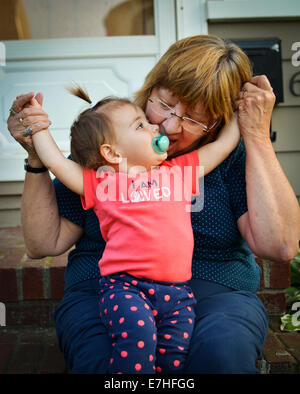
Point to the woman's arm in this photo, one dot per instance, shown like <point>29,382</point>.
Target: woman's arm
<point>213,154</point>
<point>271,225</point>
<point>39,212</point>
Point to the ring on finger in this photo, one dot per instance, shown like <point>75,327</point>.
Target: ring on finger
<point>12,112</point>
<point>244,92</point>
<point>21,122</point>
<point>28,131</point>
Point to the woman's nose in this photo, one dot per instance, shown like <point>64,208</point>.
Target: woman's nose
<point>172,125</point>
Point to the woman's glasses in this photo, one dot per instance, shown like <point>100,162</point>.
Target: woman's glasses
<point>165,112</point>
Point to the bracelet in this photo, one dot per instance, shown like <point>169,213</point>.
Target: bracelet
<point>35,170</point>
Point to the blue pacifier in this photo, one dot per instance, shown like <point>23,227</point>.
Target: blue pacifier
<point>160,144</point>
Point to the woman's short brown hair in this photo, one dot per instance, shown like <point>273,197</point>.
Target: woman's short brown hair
<point>202,68</point>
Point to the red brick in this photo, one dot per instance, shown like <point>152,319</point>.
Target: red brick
<point>6,350</point>
<point>292,342</point>
<point>57,272</point>
<point>26,359</point>
<point>9,264</point>
<point>29,313</point>
<point>279,359</point>
<point>8,285</point>
<point>279,275</point>
<point>275,303</point>
<point>259,262</point>
<point>53,361</point>
<point>33,283</point>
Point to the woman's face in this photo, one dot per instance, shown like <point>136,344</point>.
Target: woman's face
<point>174,127</point>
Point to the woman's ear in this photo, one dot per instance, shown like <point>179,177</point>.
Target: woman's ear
<point>109,154</point>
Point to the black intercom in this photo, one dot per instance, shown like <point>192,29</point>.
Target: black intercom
<point>265,56</point>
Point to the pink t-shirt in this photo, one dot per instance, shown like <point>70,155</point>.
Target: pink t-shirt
<point>145,219</point>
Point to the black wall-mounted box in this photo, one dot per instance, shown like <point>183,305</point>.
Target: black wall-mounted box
<point>265,56</point>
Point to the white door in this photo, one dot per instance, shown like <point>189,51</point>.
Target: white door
<point>104,65</point>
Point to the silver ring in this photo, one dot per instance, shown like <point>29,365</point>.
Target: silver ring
<point>21,122</point>
<point>28,131</point>
<point>12,112</point>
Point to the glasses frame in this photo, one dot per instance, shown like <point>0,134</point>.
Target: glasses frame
<point>205,128</point>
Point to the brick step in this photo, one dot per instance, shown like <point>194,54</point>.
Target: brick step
<point>23,279</point>
<point>281,353</point>
<point>35,350</point>
<point>30,350</point>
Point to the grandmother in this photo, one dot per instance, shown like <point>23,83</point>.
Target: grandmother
<point>249,209</point>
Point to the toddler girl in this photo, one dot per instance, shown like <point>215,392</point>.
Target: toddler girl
<point>119,169</point>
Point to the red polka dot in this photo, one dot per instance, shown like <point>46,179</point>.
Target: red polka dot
<point>116,307</point>
<point>158,369</point>
<point>189,308</point>
<point>141,323</point>
<point>138,367</point>
<point>154,337</point>
<point>190,321</point>
<point>110,323</point>
<point>167,336</point>
<point>141,344</point>
<point>111,287</point>
<point>124,334</point>
<point>128,296</point>
<point>151,291</point>
<point>121,320</point>
<point>134,282</point>
<point>180,347</point>
<point>162,351</point>
<point>176,363</point>
<point>151,358</point>
<point>112,296</point>
<point>112,280</point>
<point>146,306</point>
<point>125,287</point>
<point>133,308</point>
<point>173,321</point>
<point>111,360</point>
<point>105,311</point>
<point>154,312</point>
<point>124,354</point>
<point>176,313</point>
<point>167,297</point>
<point>185,335</point>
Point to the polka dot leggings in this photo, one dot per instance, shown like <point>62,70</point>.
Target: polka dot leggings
<point>150,323</point>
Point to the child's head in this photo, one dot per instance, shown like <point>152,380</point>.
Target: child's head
<point>112,130</point>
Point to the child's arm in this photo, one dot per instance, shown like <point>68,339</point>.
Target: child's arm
<point>213,154</point>
<point>67,171</point>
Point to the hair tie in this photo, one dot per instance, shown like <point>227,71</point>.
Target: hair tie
<point>93,103</point>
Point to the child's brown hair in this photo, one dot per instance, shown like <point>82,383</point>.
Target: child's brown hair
<point>92,129</point>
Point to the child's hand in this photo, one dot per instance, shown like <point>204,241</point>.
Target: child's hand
<point>33,116</point>
<point>231,132</point>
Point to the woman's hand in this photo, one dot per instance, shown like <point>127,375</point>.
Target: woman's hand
<point>23,115</point>
<point>255,106</point>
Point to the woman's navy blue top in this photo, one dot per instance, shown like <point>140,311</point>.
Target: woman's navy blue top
<point>220,253</point>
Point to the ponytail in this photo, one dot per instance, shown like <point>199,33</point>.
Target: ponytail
<point>79,91</point>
